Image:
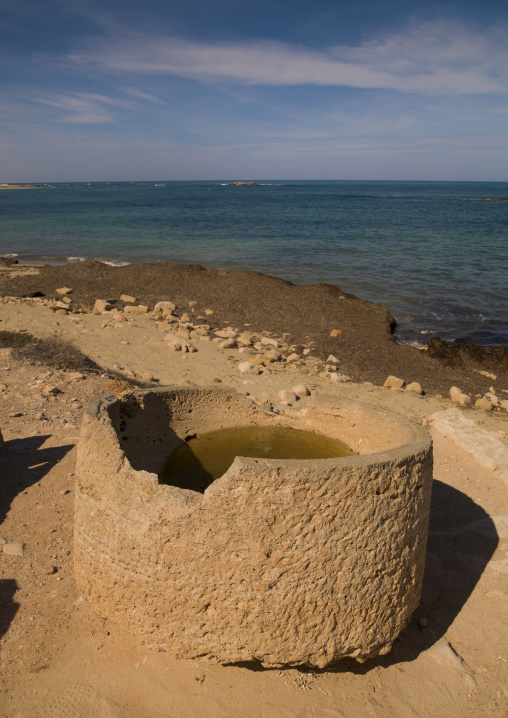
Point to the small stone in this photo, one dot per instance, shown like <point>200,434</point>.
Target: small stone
<point>268,341</point>
<point>336,376</point>
<point>208,312</point>
<point>67,300</point>
<point>49,390</point>
<point>163,310</point>
<point>301,390</point>
<point>226,334</point>
<point>64,290</point>
<point>15,414</point>
<point>293,357</point>
<point>102,305</point>
<point>271,356</point>
<point>248,367</point>
<point>336,332</point>
<point>332,360</point>
<point>245,339</point>
<point>484,404</point>
<point>174,346</point>
<point>414,386</point>
<point>393,381</point>
<point>492,397</point>
<point>76,405</point>
<point>3,387</point>
<point>147,376</point>
<point>136,309</point>
<point>15,548</point>
<point>119,317</point>
<point>76,376</point>
<point>286,396</point>
<point>459,397</point>
<point>227,344</point>
<point>51,571</point>
<point>192,303</point>
<point>127,298</point>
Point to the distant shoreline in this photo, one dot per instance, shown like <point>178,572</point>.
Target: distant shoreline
<point>20,186</point>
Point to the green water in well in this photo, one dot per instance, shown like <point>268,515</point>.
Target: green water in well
<point>204,458</point>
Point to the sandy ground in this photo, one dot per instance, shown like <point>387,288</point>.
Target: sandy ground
<point>59,659</point>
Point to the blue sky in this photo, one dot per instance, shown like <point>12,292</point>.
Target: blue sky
<point>117,90</point>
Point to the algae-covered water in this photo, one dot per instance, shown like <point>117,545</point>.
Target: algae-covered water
<point>204,458</point>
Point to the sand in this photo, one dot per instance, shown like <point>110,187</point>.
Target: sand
<point>58,658</point>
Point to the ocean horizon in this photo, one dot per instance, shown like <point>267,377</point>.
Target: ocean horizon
<point>434,253</point>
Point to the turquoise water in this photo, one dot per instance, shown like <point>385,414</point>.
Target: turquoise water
<point>436,254</point>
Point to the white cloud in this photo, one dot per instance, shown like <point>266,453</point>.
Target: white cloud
<point>84,107</point>
<point>429,58</point>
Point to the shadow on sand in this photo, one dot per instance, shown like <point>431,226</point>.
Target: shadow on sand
<point>22,463</point>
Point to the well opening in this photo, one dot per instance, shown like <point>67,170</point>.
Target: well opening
<point>280,560</point>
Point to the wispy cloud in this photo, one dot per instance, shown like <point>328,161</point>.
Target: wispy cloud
<point>429,58</point>
<point>83,107</point>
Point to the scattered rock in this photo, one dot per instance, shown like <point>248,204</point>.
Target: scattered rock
<point>336,332</point>
<point>245,339</point>
<point>459,397</point>
<point>336,376</point>
<point>226,334</point>
<point>64,290</point>
<point>272,356</point>
<point>488,374</point>
<point>287,396</point>
<point>15,414</point>
<point>15,548</point>
<point>127,298</point>
<point>492,397</point>
<point>293,357</point>
<point>163,310</point>
<point>174,346</point>
<point>136,309</point>
<point>332,360</point>
<point>102,305</point>
<point>208,312</point>
<point>268,341</point>
<point>394,381</point>
<point>301,390</point>
<point>227,344</point>
<point>248,367</point>
<point>76,405</point>
<point>49,390</point>
<point>414,386</point>
<point>484,404</point>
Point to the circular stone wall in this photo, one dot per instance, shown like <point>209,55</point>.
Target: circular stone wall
<point>279,561</point>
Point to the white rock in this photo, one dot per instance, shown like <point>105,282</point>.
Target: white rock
<point>269,342</point>
<point>248,367</point>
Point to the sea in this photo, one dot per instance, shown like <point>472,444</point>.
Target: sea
<point>434,253</point>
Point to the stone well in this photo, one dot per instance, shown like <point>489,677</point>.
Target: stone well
<point>280,561</point>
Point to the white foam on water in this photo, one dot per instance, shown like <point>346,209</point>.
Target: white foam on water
<point>113,264</point>
<point>76,259</point>
<point>9,256</point>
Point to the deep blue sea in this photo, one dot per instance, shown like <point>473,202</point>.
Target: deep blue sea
<point>434,253</point>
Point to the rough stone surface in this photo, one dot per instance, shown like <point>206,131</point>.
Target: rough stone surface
<point>279,561</point>
<point>394,382</point>
<point>127,298</point>
<point>249,367</point>
<point>163,310</point>
<point>414,386</point>
<point>64,290</point>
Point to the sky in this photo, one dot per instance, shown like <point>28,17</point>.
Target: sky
<point>274,89</point>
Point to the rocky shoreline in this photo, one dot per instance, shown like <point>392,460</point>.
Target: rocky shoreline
<point>314,321</point>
